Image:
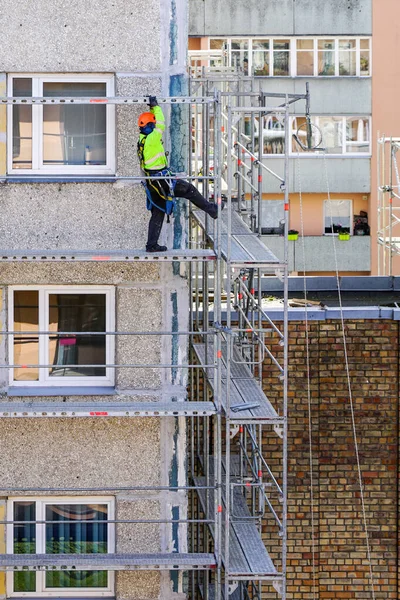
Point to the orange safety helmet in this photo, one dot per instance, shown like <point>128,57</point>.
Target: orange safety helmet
<point>145,118</point>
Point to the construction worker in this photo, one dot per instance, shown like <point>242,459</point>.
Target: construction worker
<point>161,192</point>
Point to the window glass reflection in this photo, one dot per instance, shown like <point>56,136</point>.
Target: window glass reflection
<point>78,529</point>
<point>77,313</point>
<point>26,346</point>
<point>74,135</point>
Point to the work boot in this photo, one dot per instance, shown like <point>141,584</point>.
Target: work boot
<point>156,248</point>
<point>213,209</point>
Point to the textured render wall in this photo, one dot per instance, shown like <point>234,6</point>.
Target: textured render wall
<point>144,45</point>
<point>80,35</point>
<point>277,17</point>
<point>340,552</point>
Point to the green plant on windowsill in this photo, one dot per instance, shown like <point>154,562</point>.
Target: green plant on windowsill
<point>293,235</point>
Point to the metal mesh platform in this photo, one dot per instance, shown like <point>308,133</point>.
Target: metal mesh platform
<point>106,562</point>
<point>243,387</point>
<point>248,556</point>
<point>105,409</point>
<point>246,247</point>
<point>105,256</point>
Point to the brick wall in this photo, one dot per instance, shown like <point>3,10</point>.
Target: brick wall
<point>342,567</point>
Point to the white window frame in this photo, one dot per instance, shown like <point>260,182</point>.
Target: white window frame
<point>41,502</point>
<point>38,79</point>
<point>326,215</point>
<point>344,154</point>
<point>293,54</point>
<point>44,379</point>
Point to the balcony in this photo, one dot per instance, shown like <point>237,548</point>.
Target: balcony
<point>352,255</point>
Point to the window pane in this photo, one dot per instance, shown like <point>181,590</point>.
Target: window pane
<point>364,44</point>
<point>272,217</point>
<point>337,215</point>
<point>79,529</point>
<point>305,63</point>
<point>332,134</point>
<point>239,44</point>
<point>77,313</point>
<point>74,135</point>
<point>281,64</point>
<point>347,63</point>
<point>273,135</point>
<point>216,44</point>
<point>364,63</point>
<point>347,44</point>
<point>305,44</point>
<point>26,346</point>
<point>261,57</point>
<point>357,131</point>
<point>22,125</point>
<point>24,543</point>
<point>240,61</point>
<point>281,44</point>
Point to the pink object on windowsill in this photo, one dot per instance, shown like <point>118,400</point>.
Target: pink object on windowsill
<point>68,341</point>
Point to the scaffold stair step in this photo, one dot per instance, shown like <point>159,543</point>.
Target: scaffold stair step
<point>243,389</point>
<point>109,562</point>
<point>39,409</point>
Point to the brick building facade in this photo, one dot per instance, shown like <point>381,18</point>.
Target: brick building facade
<point>340,550</point>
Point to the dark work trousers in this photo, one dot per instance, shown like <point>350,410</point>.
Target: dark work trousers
<point>183,189</point>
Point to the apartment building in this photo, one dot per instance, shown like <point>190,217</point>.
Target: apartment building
<point>79,474</point>
<point>284,45</point>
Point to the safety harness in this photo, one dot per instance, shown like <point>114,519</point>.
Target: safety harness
<point>155,185</point>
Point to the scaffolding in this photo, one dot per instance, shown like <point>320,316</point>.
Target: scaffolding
<point>236,493</point>
<point>388,204</point>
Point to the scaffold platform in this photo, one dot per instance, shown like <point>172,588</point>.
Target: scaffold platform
<point>141,255</point>
<point>47,409</point>
<point>246,248</point>
<point>248,557</point>
<point>244,388</point>
<point>107,562</point>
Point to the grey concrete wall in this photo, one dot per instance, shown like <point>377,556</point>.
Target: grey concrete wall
<point>330,96</point>
<point>352,255</point>
<point>345,175</point>
<point>280,17</point>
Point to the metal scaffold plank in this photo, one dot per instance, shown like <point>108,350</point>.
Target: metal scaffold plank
<point>243,387</point>
<point>109,562</point>
<point>248,556</point>
<point>39,409</point>
<point>105,256</point>
<point>246,247</point>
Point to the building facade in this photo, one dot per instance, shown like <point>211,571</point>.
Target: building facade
<point>330,46</point>
<point>66,211</point>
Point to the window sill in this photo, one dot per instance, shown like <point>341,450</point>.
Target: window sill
<point>61,391</point>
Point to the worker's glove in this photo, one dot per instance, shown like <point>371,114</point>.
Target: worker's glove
<point>152,101</point>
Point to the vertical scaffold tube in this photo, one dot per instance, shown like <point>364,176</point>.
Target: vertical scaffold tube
<point>217,349</point>
<point>285,351</point>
